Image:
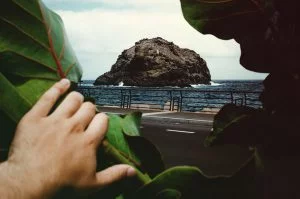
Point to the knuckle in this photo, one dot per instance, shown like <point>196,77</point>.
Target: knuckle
<point>121,173</point>
<point>58,86</point>
<point>50,95</point>
<point>76,127</point>
<point>90,141</point>
<point>56,120</point>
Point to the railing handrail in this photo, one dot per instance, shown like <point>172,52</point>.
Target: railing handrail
<point>166,89</point>
<point>177,97</point>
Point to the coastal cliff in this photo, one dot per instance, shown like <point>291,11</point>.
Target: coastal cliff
<point>157,62</point>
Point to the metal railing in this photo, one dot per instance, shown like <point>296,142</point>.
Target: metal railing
<point>173,99</point>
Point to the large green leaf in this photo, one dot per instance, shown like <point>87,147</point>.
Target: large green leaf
<point>34,54</point>
<point>190,182</point>
<point>116,137</point>
<point>124,134</point>
<point>181,179</point>
<point>266,29</point>
<point>168,194</point>
<point>238,125</point>
<point>149,155</point>
<point>131,124</point>
<point>221,17</point>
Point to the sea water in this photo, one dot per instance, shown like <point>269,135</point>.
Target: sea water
<point>194,98</point>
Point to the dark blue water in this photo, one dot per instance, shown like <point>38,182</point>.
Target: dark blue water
<point>197,98</point>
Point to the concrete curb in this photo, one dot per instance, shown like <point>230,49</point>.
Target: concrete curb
<point>169,116</point>
<point>179,120</point>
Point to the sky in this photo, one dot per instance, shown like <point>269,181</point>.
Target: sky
<point>99,30</point>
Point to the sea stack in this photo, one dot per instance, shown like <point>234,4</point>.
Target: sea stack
<point>155,63</point>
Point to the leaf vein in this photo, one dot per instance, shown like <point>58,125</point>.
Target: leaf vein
<point>32,77</point>
<point>33,60</point>
<point>70,68</point>
<point>62,53</point>
<point>59,71</point>
<point>23,8</point>
<point>24,32</point>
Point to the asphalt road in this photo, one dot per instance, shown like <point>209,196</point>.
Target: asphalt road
<point>181,143</point>
<point>180,138</point>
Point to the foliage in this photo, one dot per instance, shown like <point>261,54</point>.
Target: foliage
<point>266,29</point>
<point>238,125</point>
<point>34,53</point>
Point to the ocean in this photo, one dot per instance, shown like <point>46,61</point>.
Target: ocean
<point>192,99</point>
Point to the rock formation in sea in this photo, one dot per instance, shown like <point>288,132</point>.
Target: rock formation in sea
<point>157,62</point>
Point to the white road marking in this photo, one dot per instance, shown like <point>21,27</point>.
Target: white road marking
<point>176,118</point>
<point>189,132</point>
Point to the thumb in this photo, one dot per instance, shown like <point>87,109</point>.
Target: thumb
<point>114,174</point>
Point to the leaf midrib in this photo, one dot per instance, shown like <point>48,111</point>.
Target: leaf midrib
<point>59,69</point>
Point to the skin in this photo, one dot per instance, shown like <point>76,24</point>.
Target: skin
<point>51,151</point>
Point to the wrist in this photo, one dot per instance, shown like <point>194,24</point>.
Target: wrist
<point>19,182</point>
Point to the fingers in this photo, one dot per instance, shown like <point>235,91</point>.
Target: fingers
<point>69,106</point>
<point>85,114</point>
<point>114,174</point>
<point>49,98</point>
<point>97,128</point>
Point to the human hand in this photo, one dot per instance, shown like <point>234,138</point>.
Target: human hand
<point>54,150</point>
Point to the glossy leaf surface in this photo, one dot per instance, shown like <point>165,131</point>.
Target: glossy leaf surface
<point>190,182</point>
<point>238,125</point>
<point>124,134</point>
<point>34,54</point>
<point>267,30</point>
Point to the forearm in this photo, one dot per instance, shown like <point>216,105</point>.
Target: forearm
<point>15,183</point>
<point>9,189</point>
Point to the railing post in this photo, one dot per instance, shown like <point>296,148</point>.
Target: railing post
<point>89,93</point>
<point>171,99</point>
<point>181,98</point>
<point>121,105</point>
<point>130,98</point>
<point>232,100</point>
<point>245,96</point>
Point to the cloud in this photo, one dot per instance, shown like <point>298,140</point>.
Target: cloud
<point>99,35</point>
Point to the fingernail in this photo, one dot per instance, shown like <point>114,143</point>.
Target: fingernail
<point>65,82</point>
<point>131,172</point>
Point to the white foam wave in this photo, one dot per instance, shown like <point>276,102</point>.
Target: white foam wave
<point>215,84</point>
<point>205,85</point>
<point>198,85</point>
<point>83,84</point>
<point>121,84</point>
